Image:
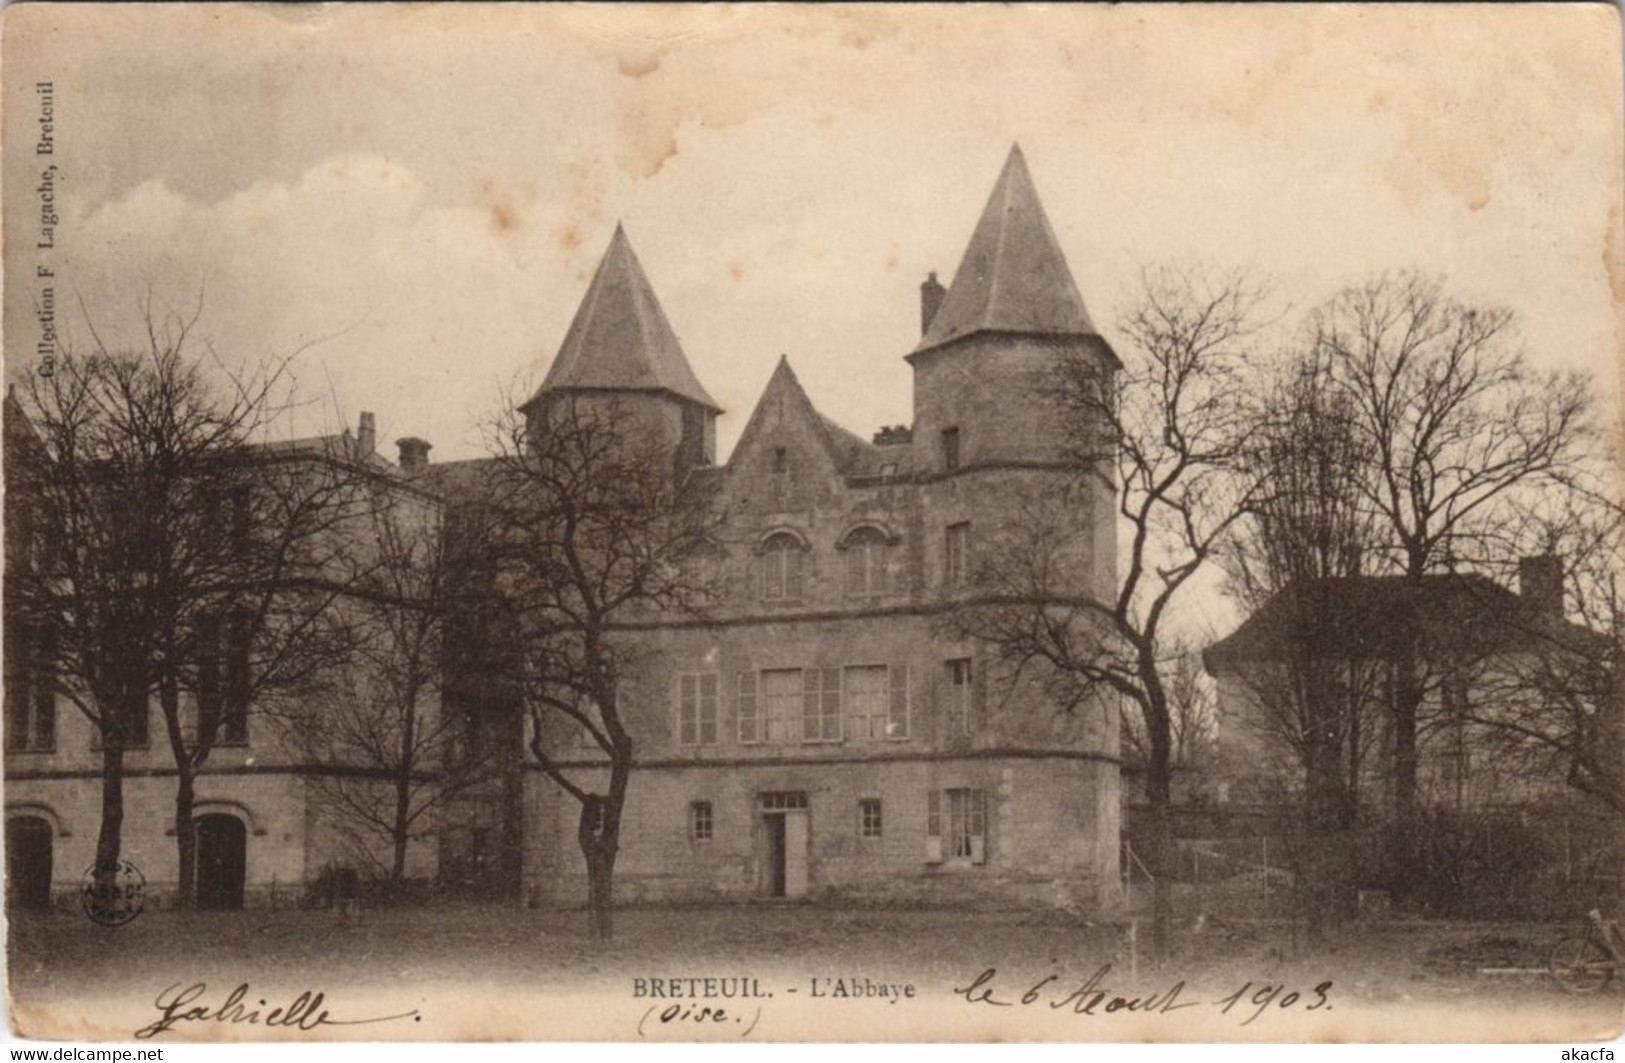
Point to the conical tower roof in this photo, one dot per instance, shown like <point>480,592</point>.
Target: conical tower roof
<point>1013,277</point>
<point>620,339</point>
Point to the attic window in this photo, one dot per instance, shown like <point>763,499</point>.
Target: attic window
<point>779,480</point>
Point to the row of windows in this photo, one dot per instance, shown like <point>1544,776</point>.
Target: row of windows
<point>865,563</point>
<point>955,824</point>
<point>815,705</point>
<point>223,685</point>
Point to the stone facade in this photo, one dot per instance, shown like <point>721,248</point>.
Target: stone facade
<point>827,732</point>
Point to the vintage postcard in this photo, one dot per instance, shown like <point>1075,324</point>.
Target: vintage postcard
<point>779,523</point>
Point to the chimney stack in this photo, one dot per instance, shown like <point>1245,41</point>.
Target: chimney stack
<point>366,437</point>
<point>931,294</point>
<point>1540,583</point>
<point>414,453</point>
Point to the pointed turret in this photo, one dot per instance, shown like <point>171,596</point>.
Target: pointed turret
<point>621,351</point>
<point>1013,277</point>
<point>620,339</point>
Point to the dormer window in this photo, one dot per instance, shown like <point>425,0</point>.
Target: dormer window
<point>950,449</point>
<point>783,572</point>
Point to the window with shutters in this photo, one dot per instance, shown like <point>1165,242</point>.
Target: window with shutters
<point>956,826</point>
<point>956,555</point>
<point>821,705</point>
<point>864,552</point>
<point>959,695</point>
<point>697,709</point>
<point>699,821</point>
<point>869,823</point>
<point>783,568</point>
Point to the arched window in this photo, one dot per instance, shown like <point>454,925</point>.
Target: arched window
<point>865,553</point>
<point>783,569</point>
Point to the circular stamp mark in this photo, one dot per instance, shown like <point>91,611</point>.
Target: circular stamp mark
<point>112,895</point>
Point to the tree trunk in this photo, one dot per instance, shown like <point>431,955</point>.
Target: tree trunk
<point>1159,795</point>
<point>601,848</point>
<point>109,838</point>
<point>600,860</point>
<point>398,829</point>
<point>186,839</point>
<point>1409,691</point>
<point>185,793</point>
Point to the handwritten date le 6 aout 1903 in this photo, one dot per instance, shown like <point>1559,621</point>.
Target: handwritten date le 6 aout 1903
<point>1094,997</point>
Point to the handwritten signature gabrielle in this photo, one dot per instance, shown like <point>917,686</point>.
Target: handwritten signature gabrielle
<point>1093,997</point>
<point>304,1013</point>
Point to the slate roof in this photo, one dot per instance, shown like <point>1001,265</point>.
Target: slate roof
<point>1370,617</point>
<point>1013,277</point>
<point>620,339</point>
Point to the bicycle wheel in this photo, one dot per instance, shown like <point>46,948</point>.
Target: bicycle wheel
<point>1581,964</point>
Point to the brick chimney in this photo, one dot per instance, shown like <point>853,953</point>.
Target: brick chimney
<point>414,453</point>
<point>931,293</point>
<point>366,437</point>
<point>1540,583</point>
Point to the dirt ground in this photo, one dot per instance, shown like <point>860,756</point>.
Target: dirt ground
<point>1392,967</point>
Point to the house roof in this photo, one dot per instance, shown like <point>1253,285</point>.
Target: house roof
<point>1013,277</point>
<point>1373,617</point>
<point>620,339</point>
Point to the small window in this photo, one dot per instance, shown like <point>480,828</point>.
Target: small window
<point>699,821</point>
<point>779,481</point>
<point>783,571</point>
<point>959,695</point>
<point>950,449</point>
<point>956,559</point>
<point>869,824</point>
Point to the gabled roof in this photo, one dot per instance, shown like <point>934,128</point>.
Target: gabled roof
<point>1370,617</point>
<point>620,339</point>
<point>1013,277</point>
<point>848,452</point>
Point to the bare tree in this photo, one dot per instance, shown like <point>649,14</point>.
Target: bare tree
<point>185,564</point>
<point>1167,431</point>
<point>591,529</point>
<point>1453,424</point>
<point>388,753</point>
<point>1552,708</point>
<point>1293,562</point>
<point>81,587</point>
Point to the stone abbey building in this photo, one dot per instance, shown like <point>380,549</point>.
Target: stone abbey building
<point>824,732</point>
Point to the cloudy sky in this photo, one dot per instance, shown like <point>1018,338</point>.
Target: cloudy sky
<point>425,192</point>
